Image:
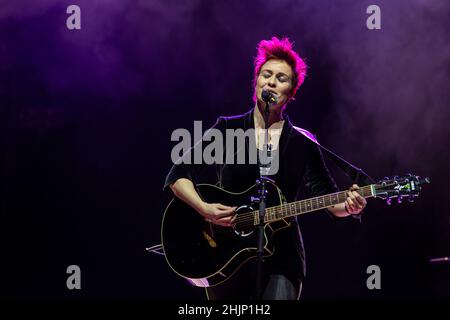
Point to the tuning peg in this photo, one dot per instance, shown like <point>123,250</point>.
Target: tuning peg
<point>399,200</point>
<point>411,198</point>
<point>388,201</point>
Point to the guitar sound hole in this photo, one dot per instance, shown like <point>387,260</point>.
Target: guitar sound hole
<point>244,223</point>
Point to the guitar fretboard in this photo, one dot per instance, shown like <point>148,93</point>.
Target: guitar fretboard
<point>313,204</point>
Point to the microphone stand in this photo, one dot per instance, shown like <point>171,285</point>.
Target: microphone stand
<point>262,191</point>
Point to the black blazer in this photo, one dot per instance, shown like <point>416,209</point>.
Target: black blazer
<point>300,162</point>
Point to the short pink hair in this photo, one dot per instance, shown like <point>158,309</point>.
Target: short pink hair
<point>281,50</point>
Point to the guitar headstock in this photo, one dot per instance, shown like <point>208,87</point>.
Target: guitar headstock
<point>407,186</point>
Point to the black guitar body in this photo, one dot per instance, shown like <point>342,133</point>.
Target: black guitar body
<point>207,254</point>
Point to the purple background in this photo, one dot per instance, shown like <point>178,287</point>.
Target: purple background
<point>86,117</point>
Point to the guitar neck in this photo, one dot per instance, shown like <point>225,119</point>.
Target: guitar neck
<point>308,205</point>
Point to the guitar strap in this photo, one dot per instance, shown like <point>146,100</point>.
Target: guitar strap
<point>357,175</point>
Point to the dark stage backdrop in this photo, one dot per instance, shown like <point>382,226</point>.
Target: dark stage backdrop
<point>86,117</point>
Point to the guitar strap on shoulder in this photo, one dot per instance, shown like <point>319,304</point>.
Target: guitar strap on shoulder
<point>357,175</point>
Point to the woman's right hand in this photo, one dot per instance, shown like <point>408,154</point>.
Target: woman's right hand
<point>218,213</point>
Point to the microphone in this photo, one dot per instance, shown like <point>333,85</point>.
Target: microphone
<point>268,97</point>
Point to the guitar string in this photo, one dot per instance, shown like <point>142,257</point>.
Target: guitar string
<point>297,204</point>
<point>304,206</point>
<point>250,216</point>
<point>248,219</point>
